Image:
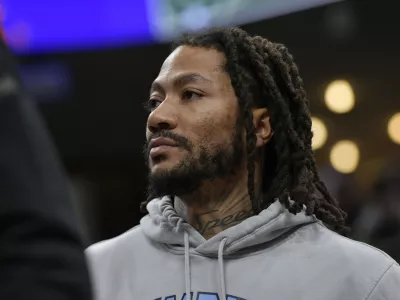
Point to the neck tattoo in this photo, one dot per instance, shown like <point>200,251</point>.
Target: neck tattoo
<point>209,224</point>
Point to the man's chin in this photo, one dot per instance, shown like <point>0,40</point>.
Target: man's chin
<point>171,179</point>
<point>163,167</point>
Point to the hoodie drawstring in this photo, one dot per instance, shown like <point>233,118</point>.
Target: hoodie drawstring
<point>220,264</point>
<point>221,267</point>
<point>187,267</point>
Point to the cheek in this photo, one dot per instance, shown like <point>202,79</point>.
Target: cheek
<point>216,131</point>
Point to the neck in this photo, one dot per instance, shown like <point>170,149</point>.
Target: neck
<point>211,210</point>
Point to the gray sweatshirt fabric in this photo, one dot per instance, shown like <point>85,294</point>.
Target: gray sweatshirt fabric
<point>273,255</point>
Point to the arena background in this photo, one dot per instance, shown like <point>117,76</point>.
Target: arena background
<point>89,64</point>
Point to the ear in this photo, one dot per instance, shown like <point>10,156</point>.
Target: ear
<point>262,125</point>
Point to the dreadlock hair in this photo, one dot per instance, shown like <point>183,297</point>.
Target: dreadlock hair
<point>263,74</point>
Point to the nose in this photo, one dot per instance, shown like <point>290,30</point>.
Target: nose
<point>162,118</point>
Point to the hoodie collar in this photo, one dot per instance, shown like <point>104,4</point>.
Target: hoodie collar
<point>164,225</point>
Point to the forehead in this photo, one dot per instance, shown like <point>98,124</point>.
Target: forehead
<point>193,59</point>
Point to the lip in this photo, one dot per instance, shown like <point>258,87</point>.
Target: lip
<point>160,145</point>
<point>162,142</point>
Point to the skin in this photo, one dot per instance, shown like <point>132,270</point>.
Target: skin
<point>193,97</point>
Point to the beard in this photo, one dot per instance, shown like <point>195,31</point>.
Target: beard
<point>207,164</point>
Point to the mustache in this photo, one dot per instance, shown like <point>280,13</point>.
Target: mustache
<point>180,140</point>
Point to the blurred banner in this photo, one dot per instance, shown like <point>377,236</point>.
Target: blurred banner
<point>66,25</point>
<point>51,26</point>
<point>2,36</point>
<point>169,18</point>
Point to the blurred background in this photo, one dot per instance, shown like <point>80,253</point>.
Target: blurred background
<point>88,64</point>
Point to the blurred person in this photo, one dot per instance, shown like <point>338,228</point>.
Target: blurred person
<point>41,253</point>
<point>236,206</point>
<point>379,223</point>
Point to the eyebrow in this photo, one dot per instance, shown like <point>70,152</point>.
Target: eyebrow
<point>181,81</point>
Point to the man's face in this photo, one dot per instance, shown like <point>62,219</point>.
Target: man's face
<point>192,132</point>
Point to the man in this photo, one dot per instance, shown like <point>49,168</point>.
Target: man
<point>41,254</point>
<point>239,211</point>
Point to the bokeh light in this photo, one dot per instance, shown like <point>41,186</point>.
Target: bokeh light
<point>345,156</point>
<point>339,96</point>
<point>394,128</point>
<point>320,133</point>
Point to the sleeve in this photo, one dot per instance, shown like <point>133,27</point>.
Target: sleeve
<point>41,253</point>
<point>388,287</point>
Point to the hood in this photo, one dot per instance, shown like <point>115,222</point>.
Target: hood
<point>164,225</point>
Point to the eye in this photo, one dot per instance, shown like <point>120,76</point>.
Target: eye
<point>191,95</point>
<point>152,104</point>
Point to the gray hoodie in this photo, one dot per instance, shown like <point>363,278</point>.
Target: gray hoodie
<point>273,255</point>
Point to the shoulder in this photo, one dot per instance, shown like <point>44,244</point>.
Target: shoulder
<point>115,247</point>
<point>114,259</point>
<point>347,248</point>
<point>355,265</point>
<point>333,250</point>
<point>387,287</point>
